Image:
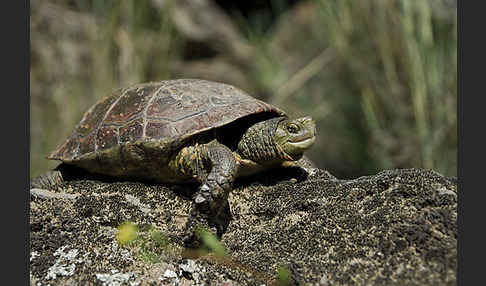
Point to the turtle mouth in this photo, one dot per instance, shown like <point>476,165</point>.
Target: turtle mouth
<point>301,138</point>
<point>303,143</point>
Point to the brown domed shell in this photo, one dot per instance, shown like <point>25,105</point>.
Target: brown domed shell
<point>167,110</point>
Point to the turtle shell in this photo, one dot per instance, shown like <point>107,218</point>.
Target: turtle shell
<point>168,112</point>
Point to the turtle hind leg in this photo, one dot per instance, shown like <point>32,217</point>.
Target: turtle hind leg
<point>51,179</point>
<point>47,181</point>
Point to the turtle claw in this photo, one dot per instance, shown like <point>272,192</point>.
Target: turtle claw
<point>210,211</point>
<point>203,199</point>
<point>199,199</point>
<point>205,188</point>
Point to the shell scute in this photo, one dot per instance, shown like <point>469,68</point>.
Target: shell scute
<point>130,105</point>
<point>70,147</point>
<point>167,111</point>
<point>173,107</point>
<point>86,145</point>
<point>95,115</point>
<point>131,131</point>
<point>107,136</point>
<point>157,129</point>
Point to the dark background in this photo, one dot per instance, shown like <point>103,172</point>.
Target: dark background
<point>379,77</point>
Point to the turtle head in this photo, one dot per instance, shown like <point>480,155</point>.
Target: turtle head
<point>294,136</point>
<point>277,139</point>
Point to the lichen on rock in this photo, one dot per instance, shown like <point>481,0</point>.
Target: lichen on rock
<point>397,227</point>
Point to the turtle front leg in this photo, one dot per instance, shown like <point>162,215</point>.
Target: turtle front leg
<point>214,190</point>
<point>213,165</point>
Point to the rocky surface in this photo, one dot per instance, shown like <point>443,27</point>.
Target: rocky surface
<point>397,227</point>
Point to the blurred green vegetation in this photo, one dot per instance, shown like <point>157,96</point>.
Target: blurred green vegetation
<point>379,77</point>
<point>211,243</point>
<point>148,243</point>
<point>283,276</point>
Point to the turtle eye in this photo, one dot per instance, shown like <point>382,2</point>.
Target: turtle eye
<point>293,128</point>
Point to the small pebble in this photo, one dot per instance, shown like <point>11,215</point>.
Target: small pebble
<point>170,274</point>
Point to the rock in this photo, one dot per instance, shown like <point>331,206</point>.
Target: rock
<point>397,227</point>
<point>170,274</point>
<point>116,279</point>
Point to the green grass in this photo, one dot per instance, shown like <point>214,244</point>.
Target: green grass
<point>211,244</point>
<point>149,244</point>
<point>379,77</point>
<point>283,276</point>
<point>400,63</point>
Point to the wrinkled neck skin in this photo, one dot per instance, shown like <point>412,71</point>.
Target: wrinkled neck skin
<point>258,143</point>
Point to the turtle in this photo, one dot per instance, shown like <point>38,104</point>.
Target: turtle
<point>182,131</point>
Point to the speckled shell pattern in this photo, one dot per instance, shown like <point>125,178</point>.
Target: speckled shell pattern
<point>166,111</point>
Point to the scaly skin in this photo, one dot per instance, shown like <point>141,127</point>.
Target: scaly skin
<point>211,164</point>
<point>47,181</point>
<point>266,144</point>
<point>215,166</point>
